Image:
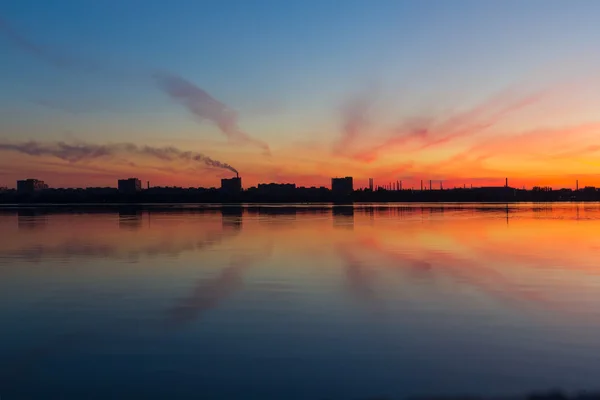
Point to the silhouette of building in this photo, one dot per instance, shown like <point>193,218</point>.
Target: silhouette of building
<point>30,186</point>
<point>131,185</point>
<point>3,189</point>
<point>231,185</point>
<point>342,186</point>
<point>276,189</point>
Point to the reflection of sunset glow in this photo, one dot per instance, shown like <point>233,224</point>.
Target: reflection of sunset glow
<point>506,253</point>
<point>282,281</point>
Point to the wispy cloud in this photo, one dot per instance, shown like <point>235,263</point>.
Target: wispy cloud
<point>195,99</point>
<point>418,134</point>
<point>204,106</point>
<point>47,54</point>
<point>355,119</point>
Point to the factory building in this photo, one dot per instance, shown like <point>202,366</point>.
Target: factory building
<point>231,185</point>
<point>129,186</point>
<point>30,186</point>
<point>342,186</point>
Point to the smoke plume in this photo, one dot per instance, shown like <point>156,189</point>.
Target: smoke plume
<point>195,99</point>
<point>78,152</point>
<point>204,106</point>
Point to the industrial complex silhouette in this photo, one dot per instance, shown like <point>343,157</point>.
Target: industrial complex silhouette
<point>342,190</point>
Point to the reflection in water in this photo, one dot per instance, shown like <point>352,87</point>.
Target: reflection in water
<point>130,218</point>
<point>343,217</point>
<point>361,280</point>
<point>30,218</point>
<point>294,295</point>
<point>232,217</point>
<point>209,293</point>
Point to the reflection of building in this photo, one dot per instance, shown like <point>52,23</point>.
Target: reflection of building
<point>342,186</point>
<point>130,219</point>
<point>131,185</point>
<point>343,217</point>
<point>31,219</point>
<point>232,217</point>
<point>30,186</point>
<point>232,185</point>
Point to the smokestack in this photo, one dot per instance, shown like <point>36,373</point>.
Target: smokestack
<point>506,183</point>
<point>421,185</point>
<point>577,184</point>
<point>430,184</point>
<point>148,185</point>
<point>400,185</point>
<point>237,175</point>
<point>441,186</point>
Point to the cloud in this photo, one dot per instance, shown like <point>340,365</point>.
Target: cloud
<point>80,152</point>
<point>423,133</point>
<point>195,99</point>
<point>205,107</point>
<point>45,53</point>
<point>355,119</point>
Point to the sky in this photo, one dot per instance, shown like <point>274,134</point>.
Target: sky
<point>184,93</point>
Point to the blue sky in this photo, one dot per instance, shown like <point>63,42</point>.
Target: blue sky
<point>286,67</point>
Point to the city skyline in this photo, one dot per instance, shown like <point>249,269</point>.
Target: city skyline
<point>301,92</point>
<point>236,183</point>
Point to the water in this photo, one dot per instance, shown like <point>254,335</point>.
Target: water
<point>299,303</point>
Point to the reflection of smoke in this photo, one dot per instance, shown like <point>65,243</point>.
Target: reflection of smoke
<point>208,294</point>
<point>360,280</point>
<point>204,106</point>
<point>77,249</point>
<point>79,151</point>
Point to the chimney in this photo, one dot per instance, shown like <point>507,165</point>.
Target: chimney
<point>400,185</point>
<point>506,183</point>
<point>237,175</point>
<point>430,184</point>
<point>421,185</point>
<point>577,184</point>
<point>148,184</point>
<point>441,186</point>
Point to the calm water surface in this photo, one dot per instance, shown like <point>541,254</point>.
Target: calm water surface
<point>299,303</point>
